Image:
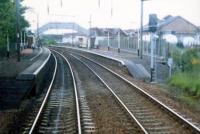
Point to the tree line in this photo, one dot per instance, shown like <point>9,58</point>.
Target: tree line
<point>8,22</point>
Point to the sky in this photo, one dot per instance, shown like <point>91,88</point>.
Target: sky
<point>125,13</point>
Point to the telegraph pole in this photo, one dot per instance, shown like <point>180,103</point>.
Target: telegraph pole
<point>18,30</point>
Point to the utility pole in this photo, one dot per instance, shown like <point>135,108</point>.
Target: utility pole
<point>138,42</point>
<point>108,40</point>
<point>73,35</point>
<point>119,41</point>
<point>90,26</point>
<point>18,30</point>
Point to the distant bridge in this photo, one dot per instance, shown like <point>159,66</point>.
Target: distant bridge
<point>63,25</point>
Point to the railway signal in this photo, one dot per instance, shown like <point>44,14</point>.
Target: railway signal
<point>152,29</point>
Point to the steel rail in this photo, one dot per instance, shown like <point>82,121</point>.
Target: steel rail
<point>178,116</point>
<point>43,64</point>
<point>115,95</point>
<point>45,99</point>
<point>75,91</point>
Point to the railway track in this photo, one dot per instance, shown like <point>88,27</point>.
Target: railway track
<point>59,111</point>
<point>100,112</point>
<point>152,115</point>
<point>108,103</point>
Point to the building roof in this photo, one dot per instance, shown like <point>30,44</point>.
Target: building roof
<point>169,20</point>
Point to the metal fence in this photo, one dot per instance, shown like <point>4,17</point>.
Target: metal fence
<point>162,47</point>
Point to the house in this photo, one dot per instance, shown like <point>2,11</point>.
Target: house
<point>177,26</point>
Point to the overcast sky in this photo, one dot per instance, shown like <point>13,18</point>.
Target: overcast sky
<point>126,13</point>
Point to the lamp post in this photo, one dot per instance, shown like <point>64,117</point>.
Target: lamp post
<point>18,30</point>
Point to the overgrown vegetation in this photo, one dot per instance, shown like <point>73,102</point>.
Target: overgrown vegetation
<point>187,74</point>
<point>8,22</point>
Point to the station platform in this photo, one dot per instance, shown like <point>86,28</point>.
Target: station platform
<point>17,79</point>
<point>10,68</point>
<point>32,71</point>
<point>138,68</point>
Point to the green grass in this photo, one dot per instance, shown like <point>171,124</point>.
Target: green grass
<point>188,81</point>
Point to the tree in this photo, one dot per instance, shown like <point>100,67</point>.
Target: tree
<point>8,21</point>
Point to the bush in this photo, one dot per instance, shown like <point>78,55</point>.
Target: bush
<point>189,82</point>
<point>191,60</point>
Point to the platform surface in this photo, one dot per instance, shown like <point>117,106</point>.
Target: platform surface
<point>129,57</point>
<point>30,72</point>
<point>10,68</point>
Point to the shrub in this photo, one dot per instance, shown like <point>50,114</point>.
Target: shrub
<point>188,81</point>
<point>191,60</point>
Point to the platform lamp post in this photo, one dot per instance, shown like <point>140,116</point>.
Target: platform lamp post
<point>141,31</point>
<point>17,29</point>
